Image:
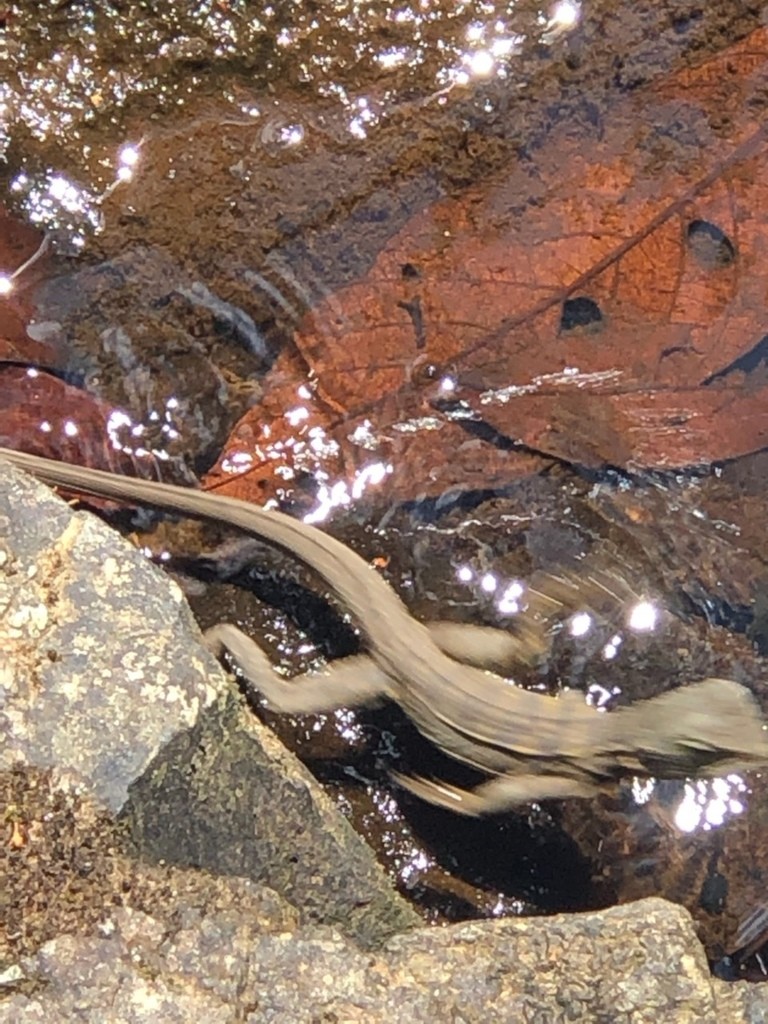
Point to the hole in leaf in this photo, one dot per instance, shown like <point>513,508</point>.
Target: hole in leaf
<point>710,247</point>
<point>410,272</point>
<point>580,312</point>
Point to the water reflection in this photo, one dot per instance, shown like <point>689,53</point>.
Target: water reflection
<point>643,617</point>
<point>339,495</point>
<point>709,803</point>
<point>514,597</point>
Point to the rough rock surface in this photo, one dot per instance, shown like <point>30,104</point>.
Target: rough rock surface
<point>71,700</point>
<point>219,791</point>
<point>629,965</point>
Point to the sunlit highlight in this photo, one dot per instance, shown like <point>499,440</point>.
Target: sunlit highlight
<point>297,416</point>
<point>509,602</point>
<point>600,696</point>
<point>348,726</point>
<point>643,617</point>
<point>565,16</point>
<point>340,495</point>
<point>708,803</point>
<point>642,790</point>
<point>489,583</point>
<point>124,432</point>
<point>580,624</point>
<point>481,63</point>
<point>611,649</point>
<point>129,155</point>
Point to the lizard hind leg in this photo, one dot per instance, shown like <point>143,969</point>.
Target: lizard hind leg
<point>501,793</point>
<point>349,682</point>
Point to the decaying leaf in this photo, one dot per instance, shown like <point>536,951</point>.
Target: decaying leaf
<point>601,301</point>
<point>44,415</point>
<point>18,243</point>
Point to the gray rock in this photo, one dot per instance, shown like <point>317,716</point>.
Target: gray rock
<point>242,805</point>
<point>97,670</point>
<point>105,681</point>
<point>631,965</point>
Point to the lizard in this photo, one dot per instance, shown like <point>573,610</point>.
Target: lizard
<point>532,746</point>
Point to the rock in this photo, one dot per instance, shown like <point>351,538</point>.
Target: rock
<point>241,804</point>
<point>152,712</point>
<point>637,964</point>
<point>73,701</point>
<point>62,872</point>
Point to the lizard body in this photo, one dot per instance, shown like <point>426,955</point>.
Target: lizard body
<point>532,745</point>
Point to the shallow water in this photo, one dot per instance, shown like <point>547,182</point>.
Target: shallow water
<point>327,260</point>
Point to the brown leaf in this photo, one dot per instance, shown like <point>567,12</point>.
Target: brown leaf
<point>42,413</point>
<point>595,303</point>
<point>18,243</point>
<point>45,416</point>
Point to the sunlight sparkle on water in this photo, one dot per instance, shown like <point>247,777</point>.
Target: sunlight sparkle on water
<point>481,63</point>
<point>363,435</point>
<point>297,416</point>
<point>600,696</point>
<point>389,59</point>
<point>708,803</point>
<point>123,431</point>
<point>347,725</point>
<point>316,47</point>
<point>642,790</point>
<point>339,494</point>
<point>643,617</point>
<point>580,624</point>
<point>413,866</point>
<point>129,155</point>
<point>565,15</point>
<point>489,583</point>
<point>610,650</point>
<point>509,602</point>
<point>67,208</point>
